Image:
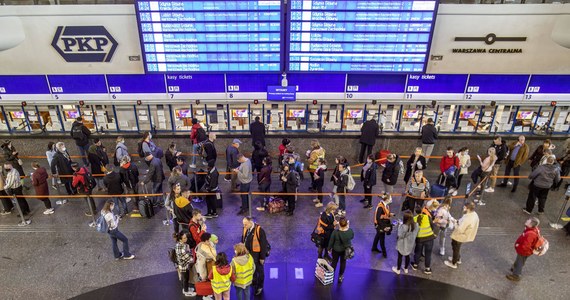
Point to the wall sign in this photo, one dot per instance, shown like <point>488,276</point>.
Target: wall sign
<point>84,43</point>
<point>489,39</point>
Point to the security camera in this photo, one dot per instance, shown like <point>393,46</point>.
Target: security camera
<point>11,32</point>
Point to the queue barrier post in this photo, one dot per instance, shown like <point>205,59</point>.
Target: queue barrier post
<point>89,200</point>
<point>557,225</point>
<point>249,203</point>
<point>24,221</point>
<point>168,219</point>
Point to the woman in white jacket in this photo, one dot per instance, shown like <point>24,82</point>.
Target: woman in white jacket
<point>443,220</point>
<point>465,232</point>
<point>464,164</point>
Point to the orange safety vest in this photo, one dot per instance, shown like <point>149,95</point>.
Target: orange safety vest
<point>426,211</point>
<point>320,224</point>
<point>385,215</point>
<point>255,247</point>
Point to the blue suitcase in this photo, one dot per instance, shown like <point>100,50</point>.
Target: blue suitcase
<point>439,190</point>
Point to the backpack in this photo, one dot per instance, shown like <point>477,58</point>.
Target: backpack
<point>202,149</point>
<point>201,135</point>
<point>172,256</point>
<point>541,246</point>
<point>101,224</point>
<point>351,183</point>
<point>90,182</point>
<point>77,132</point>
<point>297,178</point>
<point>140,149</point>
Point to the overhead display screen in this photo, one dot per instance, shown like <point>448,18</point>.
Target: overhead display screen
<point>210,36</point>
<point>360,35</point>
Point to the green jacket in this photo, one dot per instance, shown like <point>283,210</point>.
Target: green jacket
<point>341,239</point>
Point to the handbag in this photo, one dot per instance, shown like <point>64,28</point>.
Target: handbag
<point>103,168</point>
<point>316,237</point>
<point>348,250</point>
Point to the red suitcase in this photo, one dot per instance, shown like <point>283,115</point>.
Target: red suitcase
<point>382,156</point>
<point>203,288</point>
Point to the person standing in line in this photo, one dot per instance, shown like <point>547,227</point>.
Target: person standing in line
<point>255,240</point>
<point>114,233</point>
<point>325,228</point>
<point>13,187</point>
<point>368,134</point>
<point>443,220</point>
<point>232,163</point>
<point>416,162</point>
<point>120,151</point>
<point>39,181</point>
<point>525,246</point>
<point>244,176</point>
<point>197,227</point>
<point>407,233</point>
<point>542,179</point>
<point>50,153</point>
<point>205,256</point>
<point>197,136</point>
<point>155,175</point>
<point>538,153</point>
<point>340,240</point>
<point>257,130</point>
<point>211,187</point>
<point>282,149</point>
<point>185,261</point>
<point>148,146</point>
<point>501,150</point>
<point>518,154</point>
<point>382,224</point>
<point>258,155</point>
<point>417,189</point>
<point>97,164</point>
<point>243,267</point>
<point>130,177</point>
<point>221,277</point>
<point>429,137</point>
<point>313,155</point>
<point>290,183</point>
<point>465,232</point>
<point>335,175</point>
<point>341,182</point>
<point>61,169</point>
<point>171,155</point>
<point>181,162</point>
<point>391,173</point>
<point>319,176</point>
<point>485,168</point>
<point>81,135</point>
<point>210,148</point>
<point>368,178</point>
<point>448,166</point>
<point>464,164</point>
<point>82,185</point>
<point>424,240</point>
<point>101,151</point>
<point>178,177</point>
<point>11,156</point>
<point>114,186</point>
<point>264,181</point>
<point>6,202</point>
<point>169,202</point>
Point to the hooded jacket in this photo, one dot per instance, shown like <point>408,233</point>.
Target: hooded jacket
<point>182,210</point>
<point>526,241</point>
<point>194,133</point>
<point>544,176</point>
<point>79,180</point>
<point>121,151</point>
<point>241,261</point>
<point>113,183</point>
<point>391,172</point>
<point>130,175</point>
<point>182,180</point>
<point>447,162</point>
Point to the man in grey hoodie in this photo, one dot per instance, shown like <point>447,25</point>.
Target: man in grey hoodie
<point>542,179</point>
<point>244,177</point>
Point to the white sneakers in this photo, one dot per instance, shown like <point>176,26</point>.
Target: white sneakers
<point>450,264</point>
<point>260,208</point>
<point>489,190</point>
<point>129,257</point>
<point>395,270</point>
<point>49,211</point>
<point>451,259</point>
<point>442,252</point>
<point>189,293</point>
<point>319,204</point>
<point>61,202</point>
<point>193,166</point>
<point>315,200</point>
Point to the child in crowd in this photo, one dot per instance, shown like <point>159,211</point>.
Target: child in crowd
<point>222,277</point>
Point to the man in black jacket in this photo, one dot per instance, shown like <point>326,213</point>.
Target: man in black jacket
<point>210,149</point>
<point>211,186</point>
<point>231,161</point>
<point>369,132</point>
<point>114,185</point>
<point>81,135</point>
<point>155,175</point>
<point>429,136</point>
<point>130,177</point>
<point>257,130</point>
<point>256,243</point>
<point>61,166</point>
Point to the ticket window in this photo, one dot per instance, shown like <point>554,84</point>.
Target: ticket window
<point>389,117</point>
<point>49,116</point>
<point>487,122</point>
<point>182,117</point>
<point>524,119</point>
<point>199,112</point>
<point>69,113</point>
<point>160,117</point>
<point>542,122</point>
<point>297,117</point>
<point>103,117</point>
<point>275,116</point>
<point>353,117</point>
<point>17,118</point>
<point>505,118</point>
<point>127,118</point>
<point>411,118</point>
<point>217,117</point>
<point>239,117</point>
<point>4,121</point>
<point>314,122</point>
<point>332,117</point>
<point>257,111</point>
<point>468,118</point>
<point>560,121</point>
<point>143,115</point>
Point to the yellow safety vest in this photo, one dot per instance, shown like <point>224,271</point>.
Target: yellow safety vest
<point>221,283</point>
<point>425,228</point>
<point>244,274</point>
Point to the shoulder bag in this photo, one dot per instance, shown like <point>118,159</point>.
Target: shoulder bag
<point>348,250</point>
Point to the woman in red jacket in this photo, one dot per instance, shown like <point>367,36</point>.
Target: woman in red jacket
<point>39,181</point>
<point>525,246</point>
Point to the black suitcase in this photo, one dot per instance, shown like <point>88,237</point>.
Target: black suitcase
<point>146,208</point>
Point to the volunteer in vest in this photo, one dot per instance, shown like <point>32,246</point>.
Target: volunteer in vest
<point>114,233</point>
<point>195,140</point>
<point>81,135</point>
<point>418,188</point>
<point>465,232</point>
<point>448,166</point>
<point>325,228</point>
<point>518,154</point>
<point>221,277</point>
<point>424,240</point>
<point>255,240</point>
<point>185,262</point>
<point>524,246</point>
<point>243,267</point>
<point>313,156</point>
<point>382,224</point>
<point>368,178</point>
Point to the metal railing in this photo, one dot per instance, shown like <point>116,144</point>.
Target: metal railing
<point>95,2</point>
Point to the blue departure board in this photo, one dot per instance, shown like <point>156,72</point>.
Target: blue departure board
<point>360,35</point>
<point>210,36</point>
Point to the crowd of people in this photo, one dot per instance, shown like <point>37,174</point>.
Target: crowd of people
<point>197,260</point>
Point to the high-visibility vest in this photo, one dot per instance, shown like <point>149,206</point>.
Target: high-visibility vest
<point>425,228</point>
<point>244,274</point>
<point>426,211</point>
<point>255,246</point>
<point>221,283</point>
<point>315,163</point>
<point>386,214</point>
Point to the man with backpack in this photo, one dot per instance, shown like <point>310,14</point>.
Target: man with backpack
<point>291,182</point>
<point>525,246</point>
<point>244,176</point>
<point>81,135</point>
<point>61,168</point>
<point>501,151</point>
<point>84,183</point>
<point>197,135</point>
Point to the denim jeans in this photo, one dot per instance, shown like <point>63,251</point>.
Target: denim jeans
<point>120,205</point>
<point>426,247</point>
<point>115,235</point>
<point>342,202</point>
<point>243,294</point>
<point>157,189</point>
<point>194,152</point>
<point>83,151</point>
<point>519,264</point>
<point>244,188</point>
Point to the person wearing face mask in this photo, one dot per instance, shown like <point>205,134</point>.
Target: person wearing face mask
<point>391,173</point>
<point>120,151</point>
<point>465,232</point>
<point>382,224</point>
<point>244,268</point>
<point>61,167</point>
<point>368,178</point>
<point>13,187</point>
<point>11,155</point>
<point>114,233</point>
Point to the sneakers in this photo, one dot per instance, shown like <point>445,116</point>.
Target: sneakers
<point>525,211</point>
<point>227,180</point>
<point>316,200</point>
<point>193,166</point>
<point>414,267</point>
<point>5,213</point>
<point>61,202</point>
<point>340,278</point>
<point>541,213</point>
<point>395,270</point>
<point>427,271</point>
<point>362,200</point>
<point>53,186</point>
<point>49,211</point>
<point>129,257</point>
<point>260,208</point>
<point>215,215</point>
<point>451,259</point>
<point>405,271</point>
<point>88,214</point>
<point>369,206</point>
<point>454,193</point>
<point>319,205</point>
<point>509,183</point>
<point>258,291</point>
<point>513,277</point>
<point>489,190</point>
<point>208,216</point>
<point>189,294</point>
<point>450,264</point>
<point>442,252</point>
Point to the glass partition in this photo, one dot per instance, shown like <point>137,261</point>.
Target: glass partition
<point>275,114</point>
<point>50,117</point>
<point>353,117</point>
<point>199,112</point>
<point>505,118</point>
<point>182,117</point>
<point>332,117</point>
<point>143,115</point>
<point>524,119</point>
<point>296,118</point>
<point>314,122</point>
<point>161,117</point>
<point>389,117</point>
<point>104,117</point>
<point>17,118</point>
<point>541,123</point>
<point>411,118</point>
<point>68,115</point>
<point>487,122</point>
<point>217,117</point>
<point>126,117</point>
<point>560,121</point>
<point>239,117</point>
<point>446,117</point>
<point>467,118</point>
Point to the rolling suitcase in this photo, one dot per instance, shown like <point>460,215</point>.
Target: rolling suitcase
<point>439,190</point>
<point>146,208</point>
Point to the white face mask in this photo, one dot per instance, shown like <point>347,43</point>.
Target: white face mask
<point>369,160</point>
<point>63,149</point>
<point>150,136</point>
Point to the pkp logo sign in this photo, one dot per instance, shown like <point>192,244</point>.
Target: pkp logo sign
<point>84,43</point>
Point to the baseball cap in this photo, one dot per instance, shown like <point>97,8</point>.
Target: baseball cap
<point>236,141</point>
